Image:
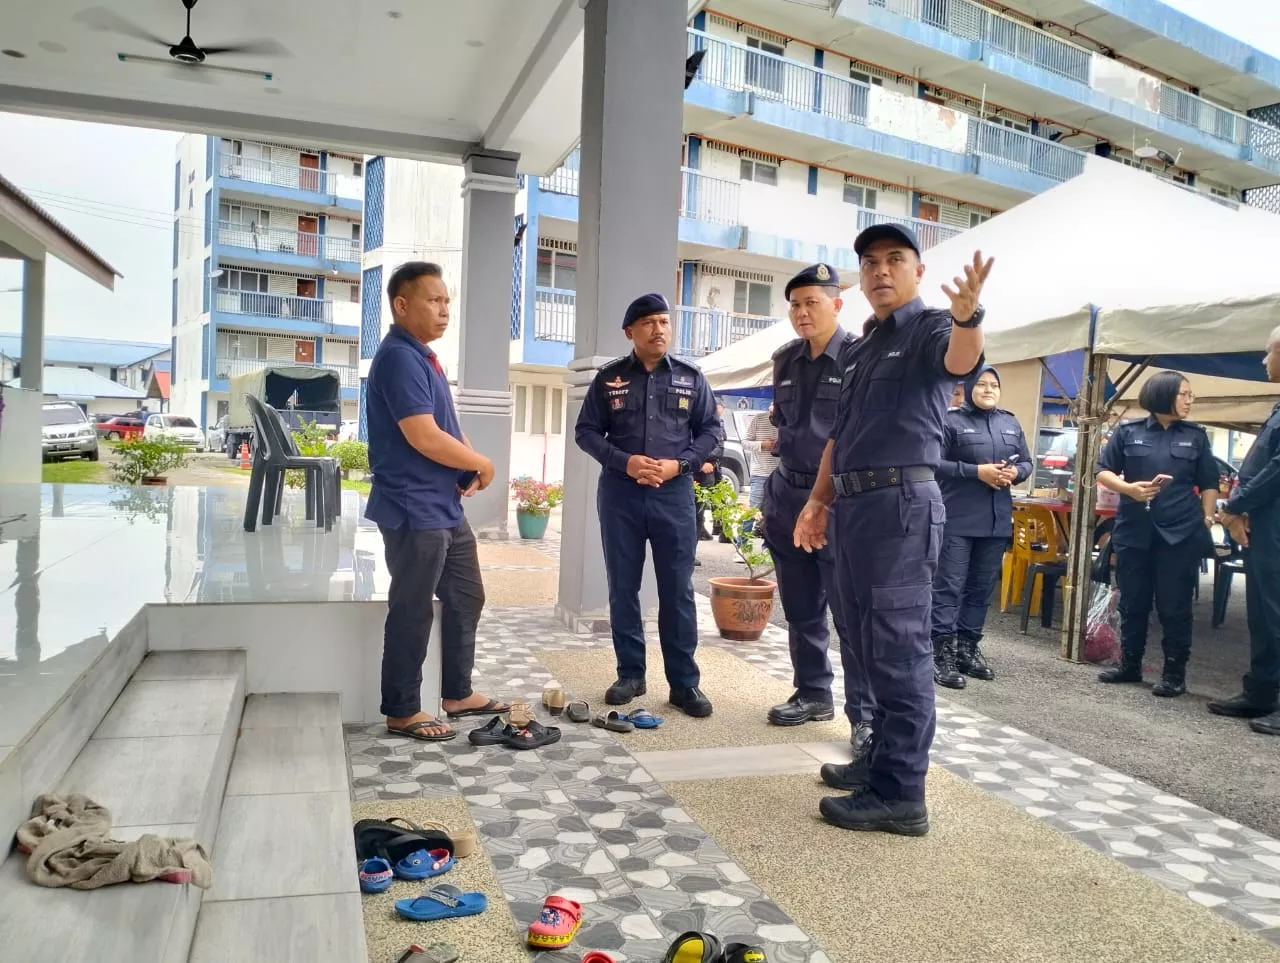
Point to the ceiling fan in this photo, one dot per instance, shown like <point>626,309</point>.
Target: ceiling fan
<point>187,59</point>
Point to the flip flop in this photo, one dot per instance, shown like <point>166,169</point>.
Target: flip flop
<point>694,947</point>
<point>431,953</point>
<point>442,902</point>
<point>414,731</point>
<point>375,875</point>
<point>643,719</point>
<point>425,864</point>
<point>493,705</point>
<point>465,841</point>
<point>386,839</point>
<point>744,953</point>
<point>533,736</point>
<point>613,720</point>
<point>493,733</point>
<point>578,712</point>
<point>553,699</point>
<point>556,925</point>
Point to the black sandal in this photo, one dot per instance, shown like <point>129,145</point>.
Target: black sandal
<point>414,731</point>
<point>493,705</point>
<point>394,839</point>
<point>533,736</point>
<point>494,733</point>
<point>687,945</point>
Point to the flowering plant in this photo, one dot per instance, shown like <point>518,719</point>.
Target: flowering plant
<point>535,497</point>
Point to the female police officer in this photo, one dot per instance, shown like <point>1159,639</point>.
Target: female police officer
<point>983,454</point>
<point>1161,528</point>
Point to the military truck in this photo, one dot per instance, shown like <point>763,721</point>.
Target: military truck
<point>300,394</point>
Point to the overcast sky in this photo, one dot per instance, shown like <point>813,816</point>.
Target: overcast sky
<point>113,186</point>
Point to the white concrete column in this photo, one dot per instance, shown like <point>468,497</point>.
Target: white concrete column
<point>484,393</point>
<point>33,325</point>
<point>628,218</point>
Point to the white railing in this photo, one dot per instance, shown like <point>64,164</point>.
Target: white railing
<point>711,199</point>
<point>928,233</point>
<point>225,368</point>
<point>276,241</point>
<point>555,313</point>
<point>263,305</point>
<point>700,331</point>
<point>259,170</point>
<point>733,66</point>
<point>1023,151</point>
<point>564,179</point>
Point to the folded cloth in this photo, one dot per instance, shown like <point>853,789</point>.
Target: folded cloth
<point>68,845</point>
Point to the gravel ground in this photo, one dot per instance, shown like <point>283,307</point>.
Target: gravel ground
<point>1174,744</point>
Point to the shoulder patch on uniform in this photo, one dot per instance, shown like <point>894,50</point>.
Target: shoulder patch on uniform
<point>1196,425</point>
<point>786,347</point>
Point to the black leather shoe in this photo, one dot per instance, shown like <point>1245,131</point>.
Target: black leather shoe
<point>692,702</point>
<point>1267,725</point>
<point>1243,706</point>
<point>868,811</point>
<point>944,664</point>
<point>1127,671</point>
<point>969,660</point>
<point>848,778</point>
<point>796,711</point>
<point>624,690</point>
<point>860,738</point>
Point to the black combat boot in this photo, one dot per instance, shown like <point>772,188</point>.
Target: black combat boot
<point>1129,669</point>
<point>1173,680</point>
<point>969,660</point>
<point>944,663</point>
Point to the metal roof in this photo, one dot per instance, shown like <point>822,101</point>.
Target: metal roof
<point>103,351</point>
<point>35,222</point>
<point>76,384</point>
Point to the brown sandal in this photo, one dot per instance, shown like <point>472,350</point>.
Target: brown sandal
<point>465,841</point>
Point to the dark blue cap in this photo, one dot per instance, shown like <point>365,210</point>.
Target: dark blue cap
<point>885,232</point>
<point>819,275</point>
<point>644,306</point>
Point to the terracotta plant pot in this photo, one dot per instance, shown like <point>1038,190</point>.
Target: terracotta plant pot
<point>155,481</point>
<point>741,606</point>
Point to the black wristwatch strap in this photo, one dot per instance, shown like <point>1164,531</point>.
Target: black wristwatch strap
<point>974,321</point>
<point>685,467</point>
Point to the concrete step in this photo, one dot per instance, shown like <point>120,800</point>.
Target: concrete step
<point>158,761</point>
<point>285,884</point>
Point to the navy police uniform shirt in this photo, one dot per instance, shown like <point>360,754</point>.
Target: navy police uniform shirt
<point>409,489</point>
<point>896,389</point>
<point>1140,450</point>
<point>973,437</point>
<point>806,392</point>
<point>669,412</point>
<point>1259,489</point>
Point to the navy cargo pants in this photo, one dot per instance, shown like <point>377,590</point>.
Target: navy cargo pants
<point>968,569</point>
<point>1263,605</point>
<point>887,544</point>
<point>806,587</point>
<point>632,516</point>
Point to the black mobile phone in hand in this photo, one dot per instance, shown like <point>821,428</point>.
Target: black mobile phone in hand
<point>466,478</point>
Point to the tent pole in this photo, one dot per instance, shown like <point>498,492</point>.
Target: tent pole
<point>1076,595</point>
<point>1062,392</point>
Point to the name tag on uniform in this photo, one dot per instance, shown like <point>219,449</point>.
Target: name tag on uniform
<point>893,354</point>
<point>1009,431</point>
<point>833,381</point>
<point>968,431</point>
<point>1184,444</point>
<point>682,381</point>
<point>786,383</point>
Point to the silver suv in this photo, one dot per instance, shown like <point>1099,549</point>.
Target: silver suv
<point>66,432</point>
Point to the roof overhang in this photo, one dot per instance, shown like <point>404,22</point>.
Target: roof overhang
<point>26,231</point>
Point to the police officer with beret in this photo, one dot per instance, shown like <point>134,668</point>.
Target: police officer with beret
<point>650,420</point>
<point>878,471</point>
<point>807,374</point>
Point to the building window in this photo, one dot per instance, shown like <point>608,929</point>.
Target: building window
<point>208,216</point>
<point>859,195</point>
<point>355,231</point>
<point>752,298</point>
<point>975,218</point>
<point>557,269</point>
<point>177,185</point>
<point>764,72</point>
<point>175,242</point>
<point>521,408</point>
<point>191,199</point>
<point>245,217</point>
<point>353,293</point>
<point>865,78</point>
<point>233,279</point>
<point>357,168</point>
<point>761,173</point>
<point>204,287</point>
<point>115,375</point>
<point>538,409</point>
<point>557,411</point>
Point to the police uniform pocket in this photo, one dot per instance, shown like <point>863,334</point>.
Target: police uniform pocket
<point>884,387</point>
<point>678,402</point>
<point>827,395</point>
<point>1184,453</point>
<point>1136,450</point>
<point>786,397</point>
<point>900,622</point>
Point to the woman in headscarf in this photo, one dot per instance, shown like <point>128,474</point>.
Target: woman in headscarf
<point>984,452</point>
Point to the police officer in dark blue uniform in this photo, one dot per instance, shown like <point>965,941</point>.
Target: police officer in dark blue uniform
<point>650,420</point>
<point>1252,516</point>
<point>983,453</point>
<point>878,469</point>
<point>807,374</point>
<point>1162,527</point>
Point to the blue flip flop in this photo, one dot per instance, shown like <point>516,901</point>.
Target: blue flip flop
<point>643,719</point>
<point>375,875</point>
<point>425,864</point>
<point>442,902</point>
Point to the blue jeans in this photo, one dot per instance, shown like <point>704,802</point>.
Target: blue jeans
<point>755,499</point>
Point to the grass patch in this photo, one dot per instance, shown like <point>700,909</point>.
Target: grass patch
<point>74,472</point>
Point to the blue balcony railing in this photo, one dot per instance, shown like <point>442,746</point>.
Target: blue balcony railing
<point>1023,151</point>
<point>929,233</point>
<point>226,368</point>
<point>263,305</point>
<point>700,331</point>
<point>564,179</point>
<point>270,240</point>
<point>257,170</point>
<point>555,312</point>
<point>711,199</point>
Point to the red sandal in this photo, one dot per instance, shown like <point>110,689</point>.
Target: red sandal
<point>556,925</point>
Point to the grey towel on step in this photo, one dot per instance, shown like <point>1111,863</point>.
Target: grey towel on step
<point>68,844</point>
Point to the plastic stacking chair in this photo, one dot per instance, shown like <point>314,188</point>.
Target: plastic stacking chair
<point>274,453</point>
<point>1229,561</point>
<point>1035,540</point>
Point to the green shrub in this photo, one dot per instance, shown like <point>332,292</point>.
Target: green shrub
<point>140,459</point>
<point>312,442</point>
<point>351,455</point>
<point>723,503</point>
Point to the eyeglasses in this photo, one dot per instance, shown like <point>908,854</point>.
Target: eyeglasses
<point>1189,395</point>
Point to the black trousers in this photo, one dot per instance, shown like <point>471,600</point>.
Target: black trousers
<point>1262,598</point>
<point>425,564</point>
<point>1166,575</point>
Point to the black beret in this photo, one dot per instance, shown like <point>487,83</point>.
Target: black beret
<point>644,306</point>
<point>819,275</point>
<point>885,232</point>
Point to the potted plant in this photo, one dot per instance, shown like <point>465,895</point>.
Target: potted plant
<point>353,458</point>
<point>144,462</point>
<point>740,606</point>
<point>534,501</point>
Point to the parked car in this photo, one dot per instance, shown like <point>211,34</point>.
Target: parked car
<point>178,427</point>
<point>215,438</point>
<point>118,427</point>
<point>66,432</point>
<point>733,466</point>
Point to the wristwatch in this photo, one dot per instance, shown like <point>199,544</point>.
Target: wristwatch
<point>974,321</point>
<point>685,467</point>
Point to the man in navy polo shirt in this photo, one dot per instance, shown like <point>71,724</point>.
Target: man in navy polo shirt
<point>422,466</point>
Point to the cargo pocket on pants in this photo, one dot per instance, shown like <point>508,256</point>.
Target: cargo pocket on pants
<point>900,622</point>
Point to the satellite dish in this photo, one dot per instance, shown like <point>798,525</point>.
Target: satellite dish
<point>1146,152</point>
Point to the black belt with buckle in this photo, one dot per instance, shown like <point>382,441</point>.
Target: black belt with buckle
<point>857,482</point>
<point>797,478</point>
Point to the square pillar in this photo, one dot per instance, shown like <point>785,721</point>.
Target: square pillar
<point>484,394</point>
<point>33,325</point>
<point>628,220</point>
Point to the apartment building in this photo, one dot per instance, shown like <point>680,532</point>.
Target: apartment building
<point>267,243</point>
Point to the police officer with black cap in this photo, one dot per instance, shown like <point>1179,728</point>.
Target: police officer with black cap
<point>878,470</point>
<point>807,373</point>
<point>650,420</point>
